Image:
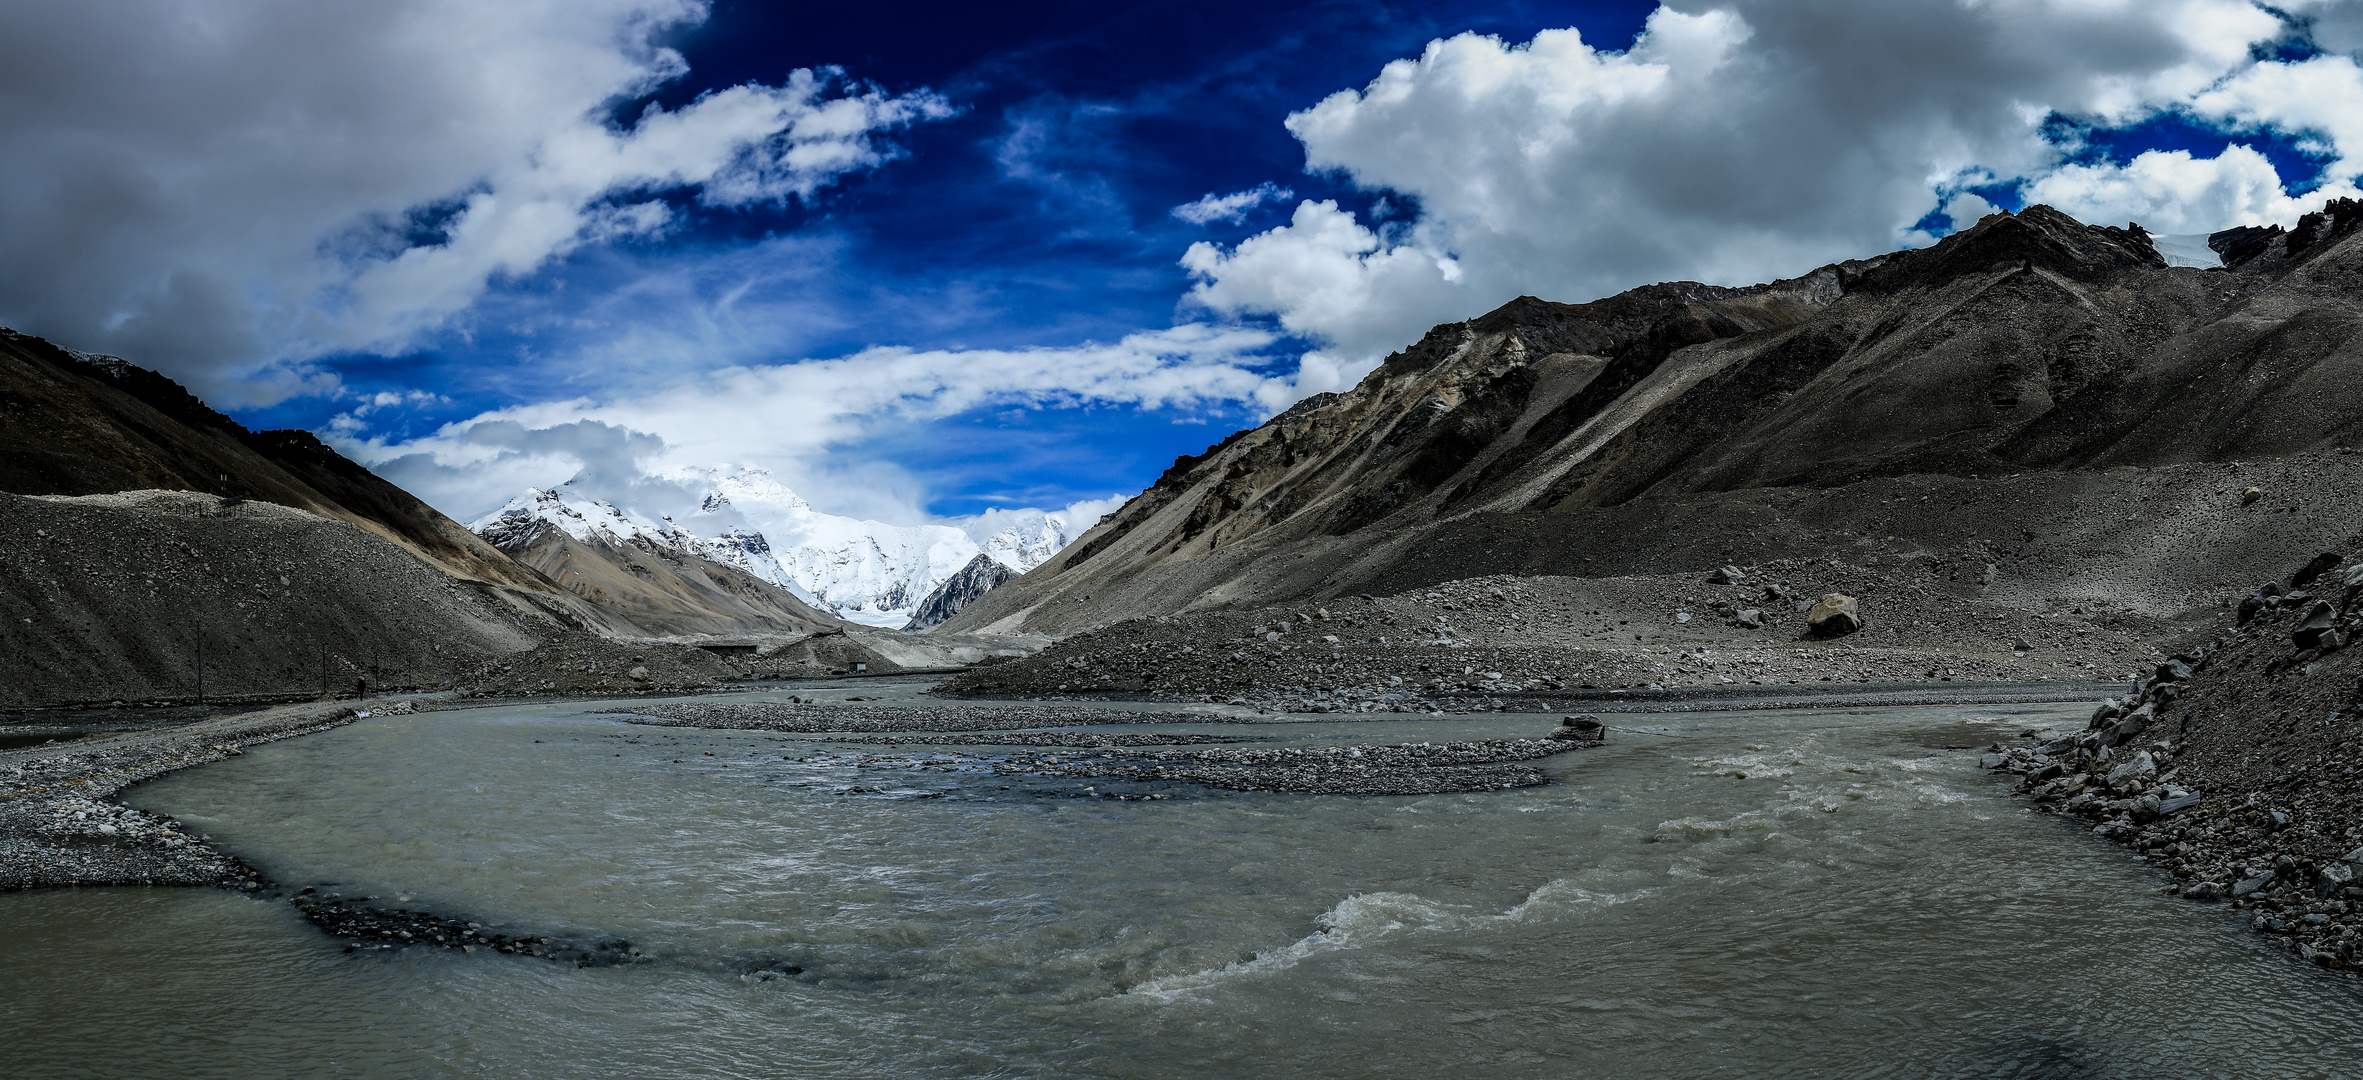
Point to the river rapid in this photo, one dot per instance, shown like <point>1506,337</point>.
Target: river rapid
<point>1780,893</point>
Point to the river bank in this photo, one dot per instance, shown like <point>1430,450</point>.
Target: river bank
<point>60,824</point>
<point>2230,766</point>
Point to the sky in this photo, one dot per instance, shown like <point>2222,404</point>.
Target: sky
<point>921,261</point>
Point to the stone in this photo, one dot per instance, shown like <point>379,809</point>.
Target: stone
<point>1586,728</point>
<point>639,674</point>
<point>2045,773</point>
<point>2174,671</point>
<point>2249,497</point>
<point>2242,889</point>
<point>2250,608</point>
<point>1727,575</point>
<point>1749,618</point>
<point>2136,771</point>
<point>2179,804</point>
<point>2108,710</point>
<point>2318,629</point>
<point>2132,725</point>
<point>2331,878</point>
<point>2314,568</point>
<point>1992,761</point>
<point>2203,891</point>
<point>2021,645</point>
<point>1834,615</point>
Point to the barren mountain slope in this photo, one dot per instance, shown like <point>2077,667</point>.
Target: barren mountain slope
<point>1988,394</point>
<point>138,596</point>
<point>89,425</point>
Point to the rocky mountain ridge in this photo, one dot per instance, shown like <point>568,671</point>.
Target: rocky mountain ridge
<point>653,576</point>
<point>2020,366</point>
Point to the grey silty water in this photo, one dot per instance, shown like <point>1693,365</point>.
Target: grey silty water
<point>1823,894</point>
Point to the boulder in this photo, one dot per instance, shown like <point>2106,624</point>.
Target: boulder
<point>1727,575</point>
<point>1586,729</point>
<point>2251,606</point>
<point>2136,771</point>
<point>2174,671</point>
<point>2333,877</point>
<point>2314,568</point>
<point>2240,890</point>
<point>2318,629</point>
<point>1749,618</point>
<point>2249,497</point>
<point>1834,615</point>
<point>638,674</point>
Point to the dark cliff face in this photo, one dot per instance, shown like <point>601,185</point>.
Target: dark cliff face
<point>85,426</point>
<point>980,576</point>
<point>2028,343</point>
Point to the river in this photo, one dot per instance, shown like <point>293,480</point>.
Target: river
<point>1784,893</point>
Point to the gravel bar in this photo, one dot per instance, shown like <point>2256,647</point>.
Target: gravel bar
<point>821,719</point>
<point>1403,769</point>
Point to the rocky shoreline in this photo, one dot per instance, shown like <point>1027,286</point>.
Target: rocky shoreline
<point>2231,766</point>
<point>60,827</point>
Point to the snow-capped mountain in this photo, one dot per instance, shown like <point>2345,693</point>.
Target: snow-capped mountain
<point>593,520</point>
<point>863,571</point>
<point>870,571</point>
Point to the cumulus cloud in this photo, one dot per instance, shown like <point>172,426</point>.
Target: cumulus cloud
<point>224,190</point>
<point>1748,140</point>
<point>791,416</point>
<point>1210,208</point>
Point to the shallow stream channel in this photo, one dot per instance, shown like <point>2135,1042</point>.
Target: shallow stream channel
<point>1744,894</point>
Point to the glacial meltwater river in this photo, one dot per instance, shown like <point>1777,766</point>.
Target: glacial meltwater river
<point>1805,894</point>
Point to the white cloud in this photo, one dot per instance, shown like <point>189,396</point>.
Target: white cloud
<point>1210,208</point>
<point>2169,191</point>
<point>790,417</point>
<point>220,189</point>
<point>1743,141</point>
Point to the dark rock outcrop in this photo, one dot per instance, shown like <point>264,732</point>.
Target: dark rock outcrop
<point>983,574</point>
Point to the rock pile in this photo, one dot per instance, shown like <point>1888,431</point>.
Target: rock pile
<point>2231,766</point>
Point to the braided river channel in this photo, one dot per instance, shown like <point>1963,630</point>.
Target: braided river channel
<point>1744,894</point>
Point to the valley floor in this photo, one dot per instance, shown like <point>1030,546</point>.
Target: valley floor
<point>1493,642</point>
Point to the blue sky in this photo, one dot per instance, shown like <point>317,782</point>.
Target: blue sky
<point>1040,215</point>
<point>479,246</point>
